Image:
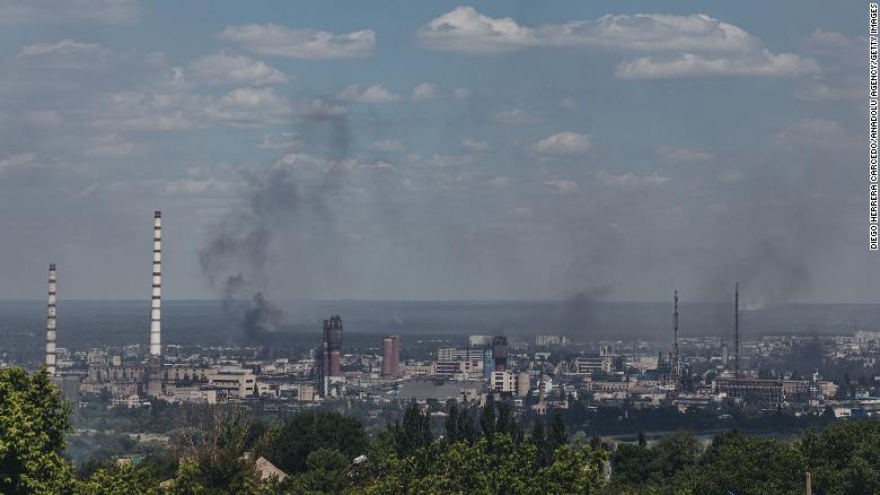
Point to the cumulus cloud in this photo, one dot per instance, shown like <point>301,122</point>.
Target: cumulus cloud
<point>228,68</point>
<point>764,64</point>
<point>699,45</point>
<point>250,107</point>
<point>143,111</point>
<point>824,89</point>
<point>20,160</point>
<point>466,30</point>
<point>374,94</point>
<point>308,44</point>
<point>63,47</point>
<point>53,11</point>
<point>630,179</point>
<point>564,144</point>
<point>821,39</point>
<point>683,155</point>
<point>814,133</point>
<point>515,116</point>
<point>461,93</point>
<point>475,145</point>
<point>425,91</point>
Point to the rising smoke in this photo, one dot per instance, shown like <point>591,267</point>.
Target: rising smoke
<point>240,259</point>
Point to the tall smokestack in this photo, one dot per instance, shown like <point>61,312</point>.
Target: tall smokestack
<point>50,323</point>
<point>156,303</point>
<point>332,344</point>
<point>390,356</point>
<point>676,366</point>
<point>499,352</point>
<point>736,331</point>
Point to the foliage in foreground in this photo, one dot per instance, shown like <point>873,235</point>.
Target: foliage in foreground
<point>484,451</point>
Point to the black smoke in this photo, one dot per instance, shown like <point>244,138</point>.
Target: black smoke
<point>282,217</point>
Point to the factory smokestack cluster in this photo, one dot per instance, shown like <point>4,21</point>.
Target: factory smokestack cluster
<point>156,296</point>
<point>50,323</point>
<point>390,356</point>
<point>332,345</point>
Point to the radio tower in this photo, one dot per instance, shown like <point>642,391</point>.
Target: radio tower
<point>736,331</point>
<point>50,323</point>
<point>676,366</point>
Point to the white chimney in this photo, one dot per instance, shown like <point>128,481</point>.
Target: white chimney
<point>156,304</point>
<point>50,323</point>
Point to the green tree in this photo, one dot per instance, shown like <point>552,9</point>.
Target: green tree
<point>33,424</point>
<point>288,444</point>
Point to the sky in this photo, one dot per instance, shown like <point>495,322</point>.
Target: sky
<point>436,150</point>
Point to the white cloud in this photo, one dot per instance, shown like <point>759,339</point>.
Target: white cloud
<point>19,161</point>
<point>41,118</point>
<point>280,141</point>
<point>564,186</point>
<point>63,47</point>
<point>567,104</point>
<point>564,144</point>
<point>271,39</point>
<point>374,94</point>
<point>515,116</point>
<point>764,64</point>
<point>425,91</point>
<point>466,30</point>
<point>141,111</point>
<point>814,133</point>
<point>447,160</point>
<point>821,39</point>
<point>821,89</point>
<point>461,93</point>
<point>696,45</point>
<point>683,155</point>
<point>387,145</point>
<point>475,145</point>
<point>630,179</point>
<point>228,68</point>
<point>250,107</point>
<point>70,11</point>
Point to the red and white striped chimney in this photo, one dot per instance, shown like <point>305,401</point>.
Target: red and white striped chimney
<point>156,296</point>
<point>50,323</point>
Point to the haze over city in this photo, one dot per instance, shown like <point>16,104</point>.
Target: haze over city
<point>436,151</point>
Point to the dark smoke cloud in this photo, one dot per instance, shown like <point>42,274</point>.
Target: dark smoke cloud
<point>279,215</point>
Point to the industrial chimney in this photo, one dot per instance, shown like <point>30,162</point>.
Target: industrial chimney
<point>390,356</point>
<point>50,323</point>
<point>156,303</point>
<point>499,352</point>
<point>333,344</point>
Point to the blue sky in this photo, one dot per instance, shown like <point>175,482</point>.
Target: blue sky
<point>436,150</point>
